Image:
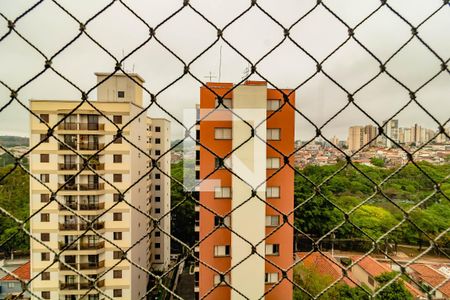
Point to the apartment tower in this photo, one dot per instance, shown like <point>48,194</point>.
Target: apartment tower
<point>229,202</point>
<point>79,211</point>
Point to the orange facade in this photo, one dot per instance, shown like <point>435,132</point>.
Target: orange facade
<point>211,235</point>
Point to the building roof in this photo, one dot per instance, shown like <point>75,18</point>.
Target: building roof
<point>432,277</point>
<point>23,272</point>
<point>121,74</point>
<point>325,264</point>
<point>371,266</point>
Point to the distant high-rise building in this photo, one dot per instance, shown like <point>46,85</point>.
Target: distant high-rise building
<point>78,207</point>
<point>252,222</point>
<point>391,131</point>
<point>355,139</point>
<point>369,135</point>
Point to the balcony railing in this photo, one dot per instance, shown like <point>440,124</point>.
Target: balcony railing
<point>67,167</point>
<point>68,226</point>
<point>68,187</point>
<point>96,225</point>
<point>95,166</point>
<point>64,267</point>
<point>66,144</point>
<point>90,146</point>
<point>92,246</point>
<point>73,206</point>
<point>91,206</point>
<point>92,265</point>
<point>89,285</point>
<point>91,126</point>
<point>91,186</point>
<point>68,246</point>
<point>68,286</point>
<point>67,126</point>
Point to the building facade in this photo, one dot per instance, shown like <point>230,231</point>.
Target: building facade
<point>91,172</point>
<point>233,213</point>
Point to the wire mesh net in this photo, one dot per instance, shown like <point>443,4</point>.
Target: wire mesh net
<point>316,194</point>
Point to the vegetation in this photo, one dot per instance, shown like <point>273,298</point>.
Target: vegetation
<point>11,141</point>
<point>394,291</point>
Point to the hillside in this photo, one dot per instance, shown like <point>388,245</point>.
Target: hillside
<point>12,141</point>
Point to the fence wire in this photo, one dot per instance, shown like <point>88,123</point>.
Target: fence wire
<point>189,192</point>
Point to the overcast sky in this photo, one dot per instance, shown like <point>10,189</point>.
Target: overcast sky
<point>187,34</point>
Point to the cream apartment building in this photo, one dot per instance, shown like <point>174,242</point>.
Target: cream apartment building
<point>78,208</point>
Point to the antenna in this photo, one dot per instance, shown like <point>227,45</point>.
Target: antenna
<point>123,63</point>
<point>220,62</point>
<point>210,76</point>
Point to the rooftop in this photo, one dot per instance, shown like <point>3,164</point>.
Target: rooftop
<point>23,272</point>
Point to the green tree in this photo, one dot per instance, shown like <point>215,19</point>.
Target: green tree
<point>394,291</point>
<point>378,162</point>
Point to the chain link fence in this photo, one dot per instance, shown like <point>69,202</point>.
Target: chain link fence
<point>159,280</point>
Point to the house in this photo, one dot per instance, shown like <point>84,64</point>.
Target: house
<point>431,278</point>
<point>12,286</point>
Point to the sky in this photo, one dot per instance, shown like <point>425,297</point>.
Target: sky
<point>187,34</point>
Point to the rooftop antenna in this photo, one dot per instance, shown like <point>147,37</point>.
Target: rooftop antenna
<point>123,63</point>
<point>133,68</point>
<point>220,62</point>
<point>246,71</point>
<point>210,76</point>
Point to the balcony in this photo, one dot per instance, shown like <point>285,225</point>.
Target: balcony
<point>64,267</point>
<point>68,226</point>
<point>96,226</point>
<point>90,146</point>
<point>91,126</point>
<point>66,144</point>
<point>89,285</point>
<point>67,126</point>
<point>92,246</point>
<point>94,166</point>
<point>68,246</point>
<point>92,186</point>
<point>68,205</point>
<point>68,187</point>
<point>92,265</point>
<point>92,206</point>
<point>67,167</point>
<point>68,285</point>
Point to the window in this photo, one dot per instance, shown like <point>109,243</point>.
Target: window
<point>45,217</point>
<point>117,158</point>
<point>157,141</point>
<point>157,233</point>
<point>45,198</point>
<point>45,178</point>
<point>157,129</point>
<point>158,152</point>
<point>273,163</point>
<point>45,118</point>
<point>272,249</point>
<point>117,292</point>
<point>45,158</point>
<point>117,216</point>
<point>117,236</point>
<point>273,134</point>
<point>157,257</point>
<point>117,178</point>
<point>273,104</point>
<point>11,285</point>
<point>157,187</point>
<point>273,192</point>
<point>271,278</point>
<point>157,176</point>
<point>116,197</point>
<point>222,133</point>
<point>217,279</point>
<point>157,245</point>
<point>117,119</point>
<point>45,295</point>
<point>226,162</point>
<point>272,221</point>
<point>117,140</point>
<point>222,192</point>
<point>226,221</point>
<point>371,281</point>
<point>120,94</point>
<point>222,250</point>
<point>157,210</point>
<point>117,274</point>
<point>227,102</point>
<point>43,138</point>
<point>117,254</point>
<point>45,237</point>
<point>45,256</point>
<point>45,276</point>
<point>157,199</point>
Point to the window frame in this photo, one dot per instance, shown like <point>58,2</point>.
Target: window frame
<point>221,191</point>
<point>272,188</point>
<point>223,136</point>
<point>271,138</point>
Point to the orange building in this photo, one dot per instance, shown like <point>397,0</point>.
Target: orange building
<point>243,214</point>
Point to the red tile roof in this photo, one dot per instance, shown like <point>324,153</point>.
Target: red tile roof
<point>23,272</point>
<point>432,277</point>
<point>323,263</point>
<point>371,266</point>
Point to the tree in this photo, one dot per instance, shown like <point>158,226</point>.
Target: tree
<point>378,162</point>
<point>395,290</point>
